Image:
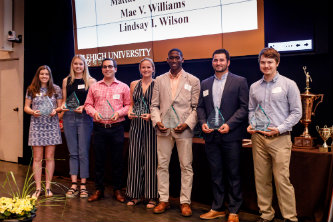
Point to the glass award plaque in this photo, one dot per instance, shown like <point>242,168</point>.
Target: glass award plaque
<point>171,119</point>
<point>197,131</point>
<point>260,120</point>
<point>72,102</point>
<point>215,119</point>
<point>45,106</point>
<point>107,111</point>
<point>140,107</point>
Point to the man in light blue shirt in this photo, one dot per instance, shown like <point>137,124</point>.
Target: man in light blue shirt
<point>280,99</point>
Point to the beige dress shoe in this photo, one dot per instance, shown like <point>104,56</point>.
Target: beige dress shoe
<point>233,218</point>
<point>212,214</point>
<point>161,207</point>
<point>186,210</point>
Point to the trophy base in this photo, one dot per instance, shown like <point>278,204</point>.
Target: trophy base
<point>304,143</point>
<point>324,149</point>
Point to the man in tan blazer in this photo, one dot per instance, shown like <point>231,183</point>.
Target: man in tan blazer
<point>181,90</point>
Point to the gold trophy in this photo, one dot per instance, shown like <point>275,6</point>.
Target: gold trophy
<point>324,133</point>
<point>305,140</point>
<point>331,136</point>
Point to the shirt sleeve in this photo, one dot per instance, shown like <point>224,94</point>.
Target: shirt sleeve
<point>58,92</point>
<point>28,95</point>
<point>295,107</point>
<point>192,119</point>
<point>201,109</point>
<point>241,114</point>
<point>90,102</point>
<point>252,104</point>
<point>155,104</point>
<point>126,101</point>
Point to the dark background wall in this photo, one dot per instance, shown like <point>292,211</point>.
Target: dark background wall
<point>49,40</point>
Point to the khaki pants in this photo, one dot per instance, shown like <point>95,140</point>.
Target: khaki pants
<point>165,145</point>
<point>272,156</point>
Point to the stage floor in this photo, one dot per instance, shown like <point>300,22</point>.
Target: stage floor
<point>104,210</point>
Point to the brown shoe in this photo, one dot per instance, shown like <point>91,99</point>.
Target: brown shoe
<point>161,207</point>
<point>96,196</point>
<point>233,218</point>
<point>186,210</point>
<point>212,214</point>
<point>264,220</point>
<point>118,195</point>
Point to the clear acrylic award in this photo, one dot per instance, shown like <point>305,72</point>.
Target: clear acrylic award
<point>140,107</point>
<point>107,111</point>
<point>260,120</point>
<point>171,119</point>
<point>45,106</point>
<point>72,102</point>
<point>215,119</point>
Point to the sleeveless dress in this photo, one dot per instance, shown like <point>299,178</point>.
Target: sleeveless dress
<point>44,130</point>
<point>142,157</point>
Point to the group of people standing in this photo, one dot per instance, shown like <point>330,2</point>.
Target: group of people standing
<point>104,105</point>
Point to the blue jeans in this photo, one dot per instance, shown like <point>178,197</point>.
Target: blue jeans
<point>78,128</point>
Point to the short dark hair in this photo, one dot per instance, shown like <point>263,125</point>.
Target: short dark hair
<point>269,53</point>
<point>222,51</point>
<point>110,59</point>
<point>177,50</point>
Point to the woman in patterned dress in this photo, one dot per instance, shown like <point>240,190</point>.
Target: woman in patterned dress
<point>142,160</point>
<point>43,100</point>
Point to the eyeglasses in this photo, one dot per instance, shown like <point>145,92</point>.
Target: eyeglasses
<point>109,66</point>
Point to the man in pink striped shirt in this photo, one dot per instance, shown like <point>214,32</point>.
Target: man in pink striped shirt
<point>108,102</point>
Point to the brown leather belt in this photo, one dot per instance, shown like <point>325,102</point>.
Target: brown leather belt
<point>107,125</point>
<point>276,135</point>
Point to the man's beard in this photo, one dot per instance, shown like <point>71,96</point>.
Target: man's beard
<point>223,70</point>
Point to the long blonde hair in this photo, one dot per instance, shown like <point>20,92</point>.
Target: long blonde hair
<point>86,75</point>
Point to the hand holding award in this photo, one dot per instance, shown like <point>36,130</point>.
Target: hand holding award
<point>260,120</point>
<point>171,119</point>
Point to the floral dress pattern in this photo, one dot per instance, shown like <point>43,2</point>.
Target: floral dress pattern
<point>44,130</point>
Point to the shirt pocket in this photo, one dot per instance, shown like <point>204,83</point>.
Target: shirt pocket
<point>99,94</point>
<point>280,96</point>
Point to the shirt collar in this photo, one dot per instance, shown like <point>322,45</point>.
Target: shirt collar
<point>276,77</point>
<point>222,78</point>
<point>178,75</point>
<point>114,81</point>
